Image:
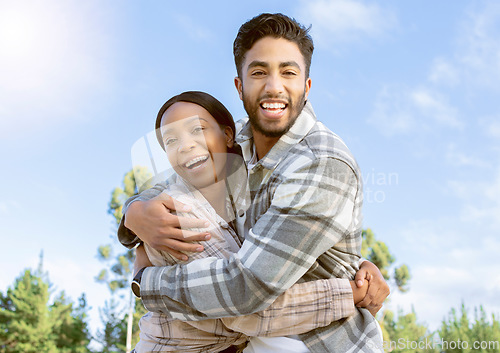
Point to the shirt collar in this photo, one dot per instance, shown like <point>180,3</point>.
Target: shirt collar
<point>304,123</point>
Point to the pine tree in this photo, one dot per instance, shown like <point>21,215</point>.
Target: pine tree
<point>113,335</point>
<point>459,334</point>
<point>118,272</point>
<point>70,330</point>
<point>378,252</point>
<point>25,317</point>
<point>29,324</point>
<point>404,334</point>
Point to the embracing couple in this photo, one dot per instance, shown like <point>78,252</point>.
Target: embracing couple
<point>253,244</point>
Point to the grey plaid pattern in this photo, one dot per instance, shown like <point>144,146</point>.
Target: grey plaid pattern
<point>301,308</point>
<point>305,220</point>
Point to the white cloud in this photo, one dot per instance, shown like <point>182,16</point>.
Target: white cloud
<point>450,264</point>
<point>479,53</point>
<point>391,113</point>
<point>457,158</point>
<point>336,21</point>
<point>491,126</point>
<point>434,105</point>
<point>480,201</point>
<point>436,289</point>
<point>193,29</point>
<point>454,259</point>
<point>8,205</point>
<point>494,129</point>
<point>3,207</point>
<point>53,60</point>
<point>474,64</point>
<point>401,110</point>
<point>444,72</point>
<point>476,60</point>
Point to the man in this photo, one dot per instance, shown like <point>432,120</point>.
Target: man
<point>304,222</point>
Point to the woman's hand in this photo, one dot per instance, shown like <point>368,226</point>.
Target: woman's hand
<point>378,289</point>
<point>359,293</point>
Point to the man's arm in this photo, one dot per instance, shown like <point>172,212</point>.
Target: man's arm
<point>301,308</point>
<point>311,210</point>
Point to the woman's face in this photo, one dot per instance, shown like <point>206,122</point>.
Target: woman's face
<point>196,145</point>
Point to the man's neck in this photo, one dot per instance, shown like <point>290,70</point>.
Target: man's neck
<point>263,144</point>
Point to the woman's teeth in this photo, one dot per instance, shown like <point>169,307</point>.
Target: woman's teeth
<point>195,162</point>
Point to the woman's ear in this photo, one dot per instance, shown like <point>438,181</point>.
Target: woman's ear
<point>229,136</point>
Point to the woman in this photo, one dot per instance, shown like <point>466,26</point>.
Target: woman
<point>197,133</point>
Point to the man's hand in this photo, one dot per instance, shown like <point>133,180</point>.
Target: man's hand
<point>141,259</point>
<point>153,222</point>
<point>378,289</point>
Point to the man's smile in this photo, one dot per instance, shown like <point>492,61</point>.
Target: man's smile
<point>273,109</point>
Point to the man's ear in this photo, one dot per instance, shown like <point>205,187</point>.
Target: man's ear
<point>308,87</point>
<point>229,136</point>
<point>239,86</point>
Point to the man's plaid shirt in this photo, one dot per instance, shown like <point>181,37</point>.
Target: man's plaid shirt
<point>301,308</point>
<point>305,224</point>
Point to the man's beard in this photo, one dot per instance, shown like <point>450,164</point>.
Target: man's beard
<point>252,109</point>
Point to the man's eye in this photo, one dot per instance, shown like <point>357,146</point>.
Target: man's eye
<point>258,73</point>
<point>290,73</point>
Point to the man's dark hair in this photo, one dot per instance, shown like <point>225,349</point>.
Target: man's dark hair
<point>272,25</point>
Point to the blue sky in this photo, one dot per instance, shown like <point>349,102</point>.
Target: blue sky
<point>411,86</point>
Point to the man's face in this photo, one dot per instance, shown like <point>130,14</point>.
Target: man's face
<point>273,86</point>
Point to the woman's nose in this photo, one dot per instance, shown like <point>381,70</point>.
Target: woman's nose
<point>186,144</point>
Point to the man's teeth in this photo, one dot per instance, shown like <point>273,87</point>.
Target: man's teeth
<point>196,160</point>
<point>273,105</point>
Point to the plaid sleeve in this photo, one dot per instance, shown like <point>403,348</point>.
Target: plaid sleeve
<point>301,308</point>
<point>311,210</point>
<point>126,237</point>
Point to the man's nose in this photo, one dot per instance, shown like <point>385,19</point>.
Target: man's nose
<point>274,84</point>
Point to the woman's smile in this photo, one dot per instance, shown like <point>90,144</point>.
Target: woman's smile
<point>196,162</point>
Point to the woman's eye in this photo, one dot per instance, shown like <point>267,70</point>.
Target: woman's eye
<point>198,129</point>
<point>169,141</point>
